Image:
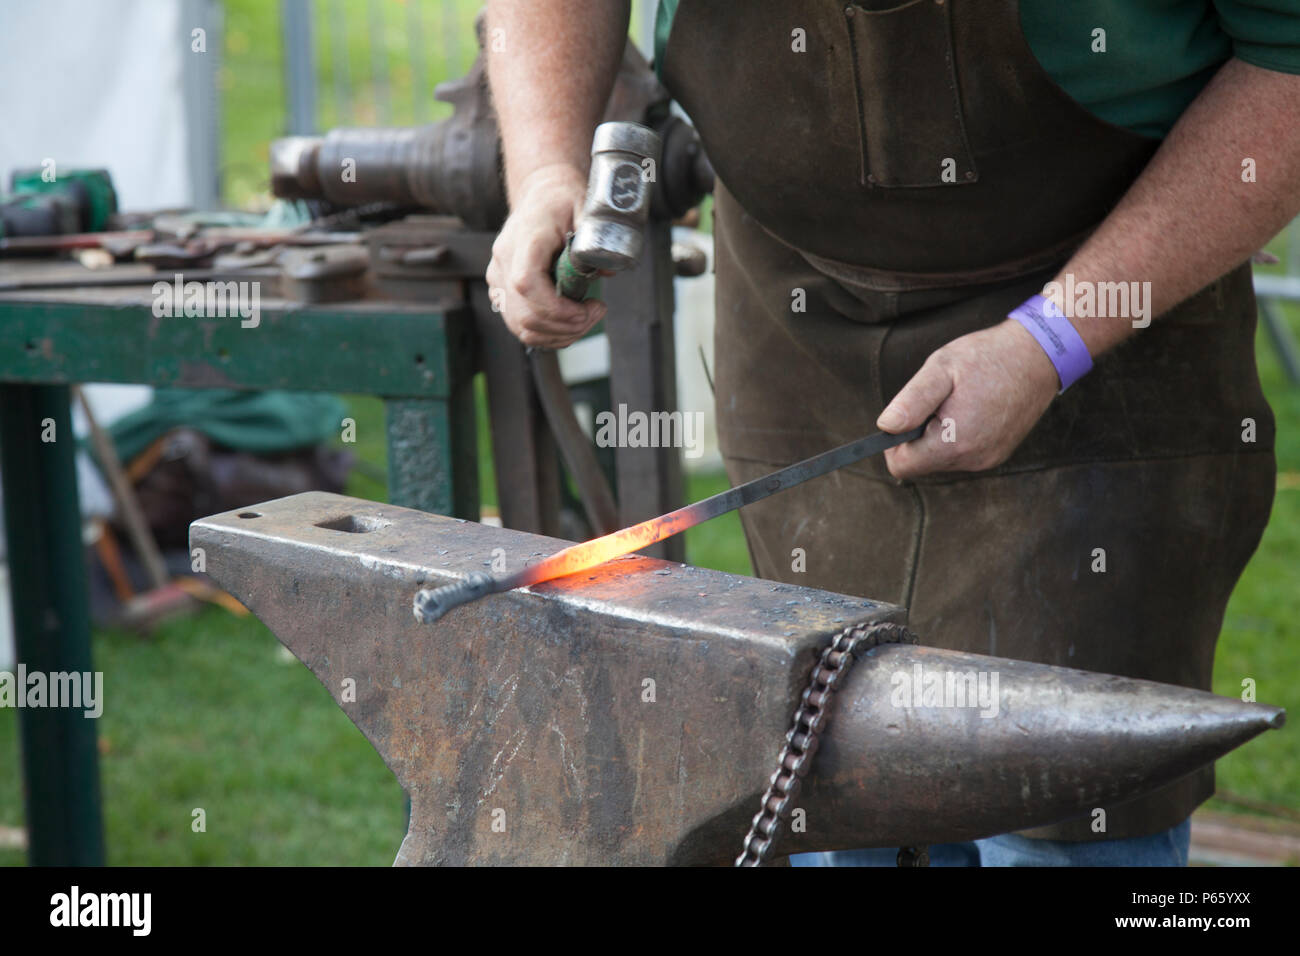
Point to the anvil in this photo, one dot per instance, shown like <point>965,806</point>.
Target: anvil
<point>633,713</point>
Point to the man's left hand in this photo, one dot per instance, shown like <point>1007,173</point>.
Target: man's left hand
<point>986,391</point>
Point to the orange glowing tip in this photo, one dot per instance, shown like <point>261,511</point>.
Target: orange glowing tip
<point>433,603</point>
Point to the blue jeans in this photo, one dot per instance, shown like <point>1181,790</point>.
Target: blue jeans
<point>1167,848</point>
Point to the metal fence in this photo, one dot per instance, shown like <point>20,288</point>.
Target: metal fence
<point>376,62</point>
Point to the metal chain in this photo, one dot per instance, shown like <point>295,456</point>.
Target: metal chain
<point>810,721</point>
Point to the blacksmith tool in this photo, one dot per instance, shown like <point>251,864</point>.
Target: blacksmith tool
<point>608,236</point>
<point>431,604</point>
<point>630,715</point>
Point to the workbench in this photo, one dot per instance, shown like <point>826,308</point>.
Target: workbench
<point>417,358</point>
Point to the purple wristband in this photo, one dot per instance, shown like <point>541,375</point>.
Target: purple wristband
<point>1053,331</point>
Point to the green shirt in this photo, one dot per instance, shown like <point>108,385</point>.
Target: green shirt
<point>1158,53</point>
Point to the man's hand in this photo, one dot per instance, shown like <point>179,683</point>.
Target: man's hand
<point>986,391</point>
<point>520,279</point>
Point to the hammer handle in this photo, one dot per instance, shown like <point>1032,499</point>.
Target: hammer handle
<point>570,281</point>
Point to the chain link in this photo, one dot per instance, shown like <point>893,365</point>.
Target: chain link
<point>810,721</point>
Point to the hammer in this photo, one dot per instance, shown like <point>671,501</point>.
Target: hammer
<point>607,238</point>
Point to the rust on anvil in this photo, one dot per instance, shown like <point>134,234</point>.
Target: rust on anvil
<point>632,714</point>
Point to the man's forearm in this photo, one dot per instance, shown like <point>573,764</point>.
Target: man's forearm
<point>1190,217</point>
<point>551,65</point>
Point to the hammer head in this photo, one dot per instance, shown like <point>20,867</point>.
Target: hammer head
<point>624,160</point>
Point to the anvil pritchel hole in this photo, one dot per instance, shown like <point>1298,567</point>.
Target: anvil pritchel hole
<point>250,514</point>
<point>356,524</point>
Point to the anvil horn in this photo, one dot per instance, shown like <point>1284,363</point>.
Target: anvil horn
<point>632,714</point>
<point>1054,741</point>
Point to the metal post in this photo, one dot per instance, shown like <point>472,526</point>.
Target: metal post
<point>643,377</point>
<point>339,64</point>
<point>421,88</point>
<point>299,66</point>
<point>51,622</point>
<point>378,62</point>
<point>202,100</point>
<point>1293,248</point>
<point>643,19</point>
<point>523,451</point>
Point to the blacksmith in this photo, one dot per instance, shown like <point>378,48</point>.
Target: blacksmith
<point>1029,220</point>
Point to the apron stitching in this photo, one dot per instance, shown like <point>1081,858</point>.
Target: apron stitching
<point>857,98</point>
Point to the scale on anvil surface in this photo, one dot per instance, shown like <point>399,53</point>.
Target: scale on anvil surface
<point>531,709</point>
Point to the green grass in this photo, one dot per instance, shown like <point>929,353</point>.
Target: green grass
<point>210,715</point>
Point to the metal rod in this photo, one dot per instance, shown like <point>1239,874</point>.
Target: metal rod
<point>431,604</point>
<point>128,505</point>
<point>575,447</point>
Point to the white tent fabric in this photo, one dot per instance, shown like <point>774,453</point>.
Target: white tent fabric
<point>98,83</point>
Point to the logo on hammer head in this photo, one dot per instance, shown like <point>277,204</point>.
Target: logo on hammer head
<point>625,187</point>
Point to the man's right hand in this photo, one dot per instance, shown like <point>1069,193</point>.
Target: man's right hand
<point>520,277</point>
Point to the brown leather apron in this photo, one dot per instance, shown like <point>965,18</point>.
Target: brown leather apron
<point>831,165</point>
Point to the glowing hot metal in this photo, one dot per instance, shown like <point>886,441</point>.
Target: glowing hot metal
<point>431,604</point>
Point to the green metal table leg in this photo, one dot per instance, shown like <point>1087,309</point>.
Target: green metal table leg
<point>51,622</point>
<point>432,454</point>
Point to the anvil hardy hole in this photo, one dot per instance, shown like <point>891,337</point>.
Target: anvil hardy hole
<point>250,514</point>
<point>356,524</point>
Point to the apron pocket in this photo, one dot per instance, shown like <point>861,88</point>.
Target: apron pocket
<point>910,118</point>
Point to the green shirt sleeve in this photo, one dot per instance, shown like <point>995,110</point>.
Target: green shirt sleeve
<point>663,24</point>
<point>1264,33</point>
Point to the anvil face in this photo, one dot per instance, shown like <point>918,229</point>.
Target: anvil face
<point>632,714</point>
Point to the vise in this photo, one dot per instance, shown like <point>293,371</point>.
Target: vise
<point>632,714</point>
